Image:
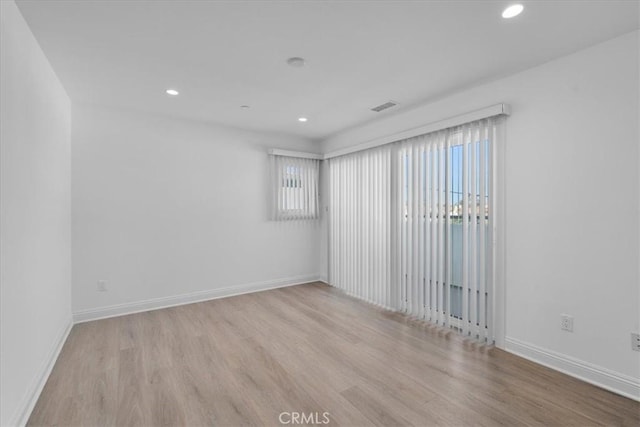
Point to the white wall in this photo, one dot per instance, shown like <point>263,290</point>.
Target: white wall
<point>571,201</point>
<point>165,207</point>
<point>35,215</point>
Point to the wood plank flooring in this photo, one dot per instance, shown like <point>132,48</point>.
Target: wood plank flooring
<point>308,349</point>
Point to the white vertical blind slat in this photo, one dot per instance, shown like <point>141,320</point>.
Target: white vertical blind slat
<point>473,236</point>
<point>357,224</point>
<point>352,225</point>
<point>415,224</point>
<point>403,242</point>
<point>397,222</point>
<point>422,185</point>
<point>369,238</point>
<point>441,229</point>
<point>379,237</point>
<point>465,235</point>
<point>492,203</point>
<point>482,237</point>
<point>297,181</point>
<point>428,152</point>
<point>433,276</point>
<point>448,260</point>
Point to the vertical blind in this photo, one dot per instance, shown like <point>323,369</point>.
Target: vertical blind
<point>294,182</point>
<point>360,226</point>
<point>411,226</point>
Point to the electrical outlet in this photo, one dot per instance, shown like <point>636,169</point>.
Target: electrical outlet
<point>635,341</point>
<point>566,322</point>
<point>102,286</point>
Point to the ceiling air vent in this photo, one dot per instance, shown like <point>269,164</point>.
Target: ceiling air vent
<point>384,106</point>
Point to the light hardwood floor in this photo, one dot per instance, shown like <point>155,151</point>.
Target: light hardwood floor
<point>243,360</point>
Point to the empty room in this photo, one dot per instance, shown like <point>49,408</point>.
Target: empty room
<point>329,213</point>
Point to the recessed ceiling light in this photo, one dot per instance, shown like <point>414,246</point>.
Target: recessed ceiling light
<point>513,10</point>
<point>302,119</point>
<point>296,62</point>
<point>172,92</point>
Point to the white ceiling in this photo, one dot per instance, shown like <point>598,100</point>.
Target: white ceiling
<point>221,55</point>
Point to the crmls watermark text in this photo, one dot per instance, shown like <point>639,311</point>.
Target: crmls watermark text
<point>302,418</point>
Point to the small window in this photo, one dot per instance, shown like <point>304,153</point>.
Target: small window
<point>295,187</point>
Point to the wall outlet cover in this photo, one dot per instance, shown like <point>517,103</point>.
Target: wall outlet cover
<point>566,322</point>
<point>635,341</point>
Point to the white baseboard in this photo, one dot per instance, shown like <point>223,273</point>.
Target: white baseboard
<point>28,402</point>
<point>171,301</point>
<point>613,381</point>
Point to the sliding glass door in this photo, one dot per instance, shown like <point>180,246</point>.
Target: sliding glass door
<point>411,227</point>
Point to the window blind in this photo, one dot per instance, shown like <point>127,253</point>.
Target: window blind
<point>360,230</point>
<point>411,226</point>
<point>295,187</point>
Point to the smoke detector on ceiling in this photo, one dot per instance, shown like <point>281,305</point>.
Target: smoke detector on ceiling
<point>296,62</point>
<point>384,106</point>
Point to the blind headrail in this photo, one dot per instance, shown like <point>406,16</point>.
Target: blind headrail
<point>298,154</point>
<point>483,113</point>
